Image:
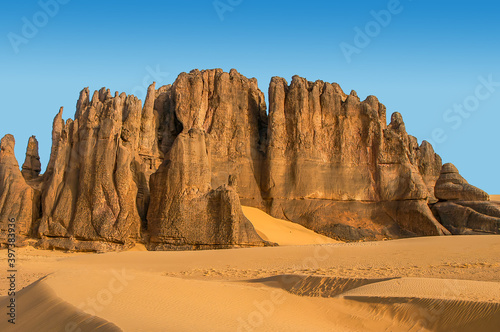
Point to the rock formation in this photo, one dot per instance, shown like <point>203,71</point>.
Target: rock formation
<point>463,208</point>
<point>96,190</point>
<point>334,165</point>
<point>452,186</point>
<point>222,116</point>
<point>90,187</point>
<point>185,212</point>
<point>429,165</point>
<point>232,111</point>
<point>17,199</point>
<point>32,167</point>
<point>174,172</point>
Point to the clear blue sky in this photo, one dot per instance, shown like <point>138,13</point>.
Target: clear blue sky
<point>426,59</point>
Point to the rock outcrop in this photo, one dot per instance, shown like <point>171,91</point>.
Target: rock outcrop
<point>185,211</point>
<point>452,186</point>
<point>90,187</point>
<point>463,208</point>
<point>174,172</point>
<point>96,190</point>
<point>17,199</point>
<point>232,111</point>
<point>193,205</point>
<point>32,167</point>
<point>429,165</point>
<point>334,164</point>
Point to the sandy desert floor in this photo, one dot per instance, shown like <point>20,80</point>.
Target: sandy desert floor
<point>310,283</point>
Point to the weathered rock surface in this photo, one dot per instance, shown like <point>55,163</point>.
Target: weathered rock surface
<point>452,186</point>
<point>222,118</point>
<point>96,188</point>
<point>465,217</point>
<point>32,167</point>
<point>185,212</point>
<point>90,188</point>
<point>232,111</point>
<point>429,165</point>
<point>333,163</point>
<point>17,199</point>
<point>173,173</point>
<point>463,208</point>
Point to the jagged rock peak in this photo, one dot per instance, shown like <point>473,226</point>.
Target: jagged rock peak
<point>429,165</point>
<point>397,122</point>
<point>426,146</point>
<point>321,93</point>
<point>32,166</point>
<point>196,94</point>
<point>7,145</point>
<point>100,98</point>
<point>298,81</point>
<point>82,102</point>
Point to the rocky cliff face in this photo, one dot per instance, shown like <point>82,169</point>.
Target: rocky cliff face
<point>173,173</point>
<point>221,117</point>
<point>185,212</point>
<point>96,192</point>
<point>90,187</point>
<point>232,111</point>
<point>334,165</point>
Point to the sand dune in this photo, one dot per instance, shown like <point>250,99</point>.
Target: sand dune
<point>375,286</point>
<point>285,233</point>
<point>317,286</point>
<point>495,198</point>
<point>430,288</point>
<point>429,304</point>
<point>40,309</point>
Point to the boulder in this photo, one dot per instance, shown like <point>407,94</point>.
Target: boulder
<point>463,208</point>
<point>452,186</point>
<point>465,217</point>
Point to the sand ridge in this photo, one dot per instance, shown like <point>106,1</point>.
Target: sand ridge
<point>42,310</point>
